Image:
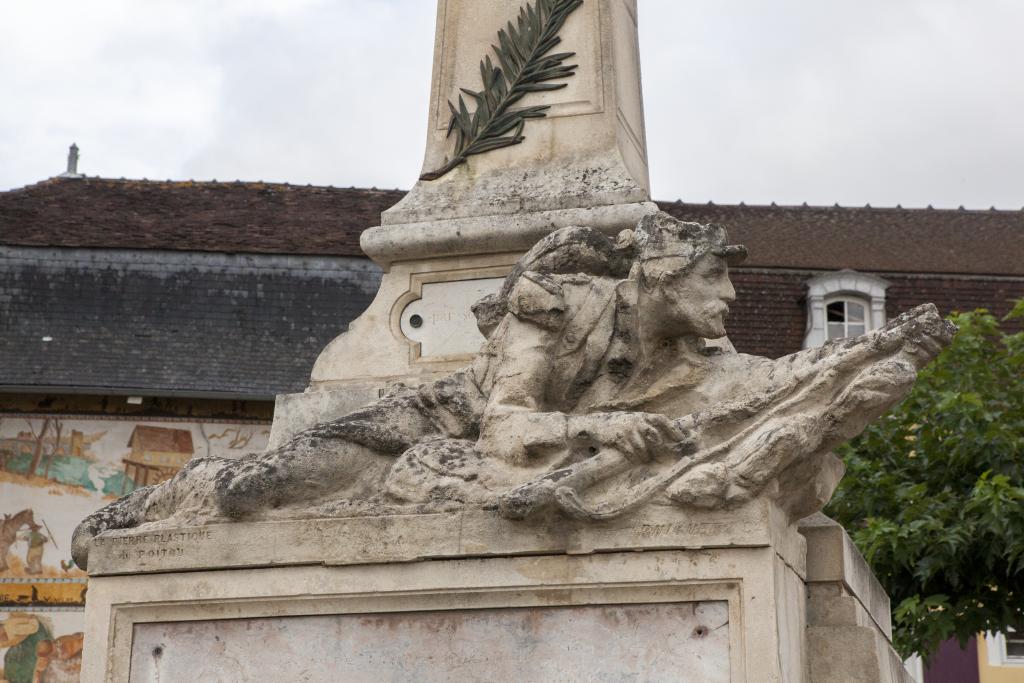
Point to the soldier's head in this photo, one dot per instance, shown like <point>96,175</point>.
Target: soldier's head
<point>683,273</point>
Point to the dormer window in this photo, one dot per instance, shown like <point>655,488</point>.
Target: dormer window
<point>846,317</point>
<point>843,304</point>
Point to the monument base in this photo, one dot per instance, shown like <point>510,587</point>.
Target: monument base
<point>472,597</point>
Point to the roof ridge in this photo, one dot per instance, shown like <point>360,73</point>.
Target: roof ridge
<point>54,180</point>
<point>836,206</point>
<point>169,182</point>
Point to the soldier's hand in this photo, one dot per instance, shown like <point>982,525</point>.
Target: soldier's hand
<point>921,334</point>
<point>638,436</point>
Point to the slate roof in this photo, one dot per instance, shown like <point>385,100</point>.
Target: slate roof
<point>238,217</point>
<point>171,323</point>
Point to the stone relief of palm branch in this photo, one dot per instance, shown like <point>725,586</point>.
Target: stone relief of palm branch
<point>524,66</point>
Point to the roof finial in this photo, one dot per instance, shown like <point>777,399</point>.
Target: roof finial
<point>72,171</point>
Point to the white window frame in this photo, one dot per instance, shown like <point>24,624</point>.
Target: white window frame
<point>846,300</point>
<point>868,290</point>
<point>995,646</point>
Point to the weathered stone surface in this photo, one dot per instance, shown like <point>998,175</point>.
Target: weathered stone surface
<point>834,559</point>
<point>573,643</point>
<point>763,595</point>
<point>595,395</point>
<point>589,150</point>
<point>455,534</point>
<point>294,413</point>
<point>849,626</point>
<point>487,235</point>
<point>441,321</point>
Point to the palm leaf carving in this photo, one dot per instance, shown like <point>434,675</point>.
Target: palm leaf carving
<point>525,65</point>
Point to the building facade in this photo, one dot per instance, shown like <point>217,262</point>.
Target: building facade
<point>145,323</point>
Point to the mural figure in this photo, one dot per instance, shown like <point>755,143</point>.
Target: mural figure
<point>59,660</point>
<point>22,634</point>
<point>34,655</point>
<point>595,393</point>
<point>9,529</point>
<point>36,544</point>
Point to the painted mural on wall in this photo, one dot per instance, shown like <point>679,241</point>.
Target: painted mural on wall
<point>55,470</point>
<point>40,647</point>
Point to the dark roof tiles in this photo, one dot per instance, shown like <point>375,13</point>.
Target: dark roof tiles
<point>870,239</point>
<point>182,324</point>
<point>240,217</point>
<point>190,216</point>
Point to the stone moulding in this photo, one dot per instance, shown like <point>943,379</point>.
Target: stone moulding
<point>448,535</point>
<point>512,234</point>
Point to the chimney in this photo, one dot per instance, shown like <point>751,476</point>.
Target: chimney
<point>72,171</point>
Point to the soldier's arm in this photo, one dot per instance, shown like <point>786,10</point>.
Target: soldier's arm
<point>518,425</point>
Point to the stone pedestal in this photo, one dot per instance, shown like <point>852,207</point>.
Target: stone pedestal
<point>468,596</point>
<point>849,622</point>
<point>458,596</point>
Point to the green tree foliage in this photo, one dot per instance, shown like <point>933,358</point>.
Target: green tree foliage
<point>934,491</point>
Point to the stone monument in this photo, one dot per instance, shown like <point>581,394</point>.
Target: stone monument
<point>594,487</point>
<point>571,150</point>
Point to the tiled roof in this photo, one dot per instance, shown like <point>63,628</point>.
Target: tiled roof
<point>239,217</point>
<point>870,239</point>
<point>191,216</point>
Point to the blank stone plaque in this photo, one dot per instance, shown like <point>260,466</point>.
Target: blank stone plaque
<point>684,642</point>
<point>441,320</point>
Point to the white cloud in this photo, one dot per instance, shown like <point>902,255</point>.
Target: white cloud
<point>879,101</point>
<point>882,101</point>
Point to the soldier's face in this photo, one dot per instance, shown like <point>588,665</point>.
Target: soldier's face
<point>697,302</point>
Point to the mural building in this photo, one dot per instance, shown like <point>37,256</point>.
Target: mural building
<point>55,470</point>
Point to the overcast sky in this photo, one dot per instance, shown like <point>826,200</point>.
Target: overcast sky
<point>910,102</point>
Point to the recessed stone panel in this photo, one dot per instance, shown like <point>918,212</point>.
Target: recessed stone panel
<point>683,642</point>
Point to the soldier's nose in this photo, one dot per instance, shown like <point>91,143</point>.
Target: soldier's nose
<point>728,293</point>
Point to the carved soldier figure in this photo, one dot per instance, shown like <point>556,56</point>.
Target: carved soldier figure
<point>599,378</point>
<point>581,335</point>
<point>595,393</point>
